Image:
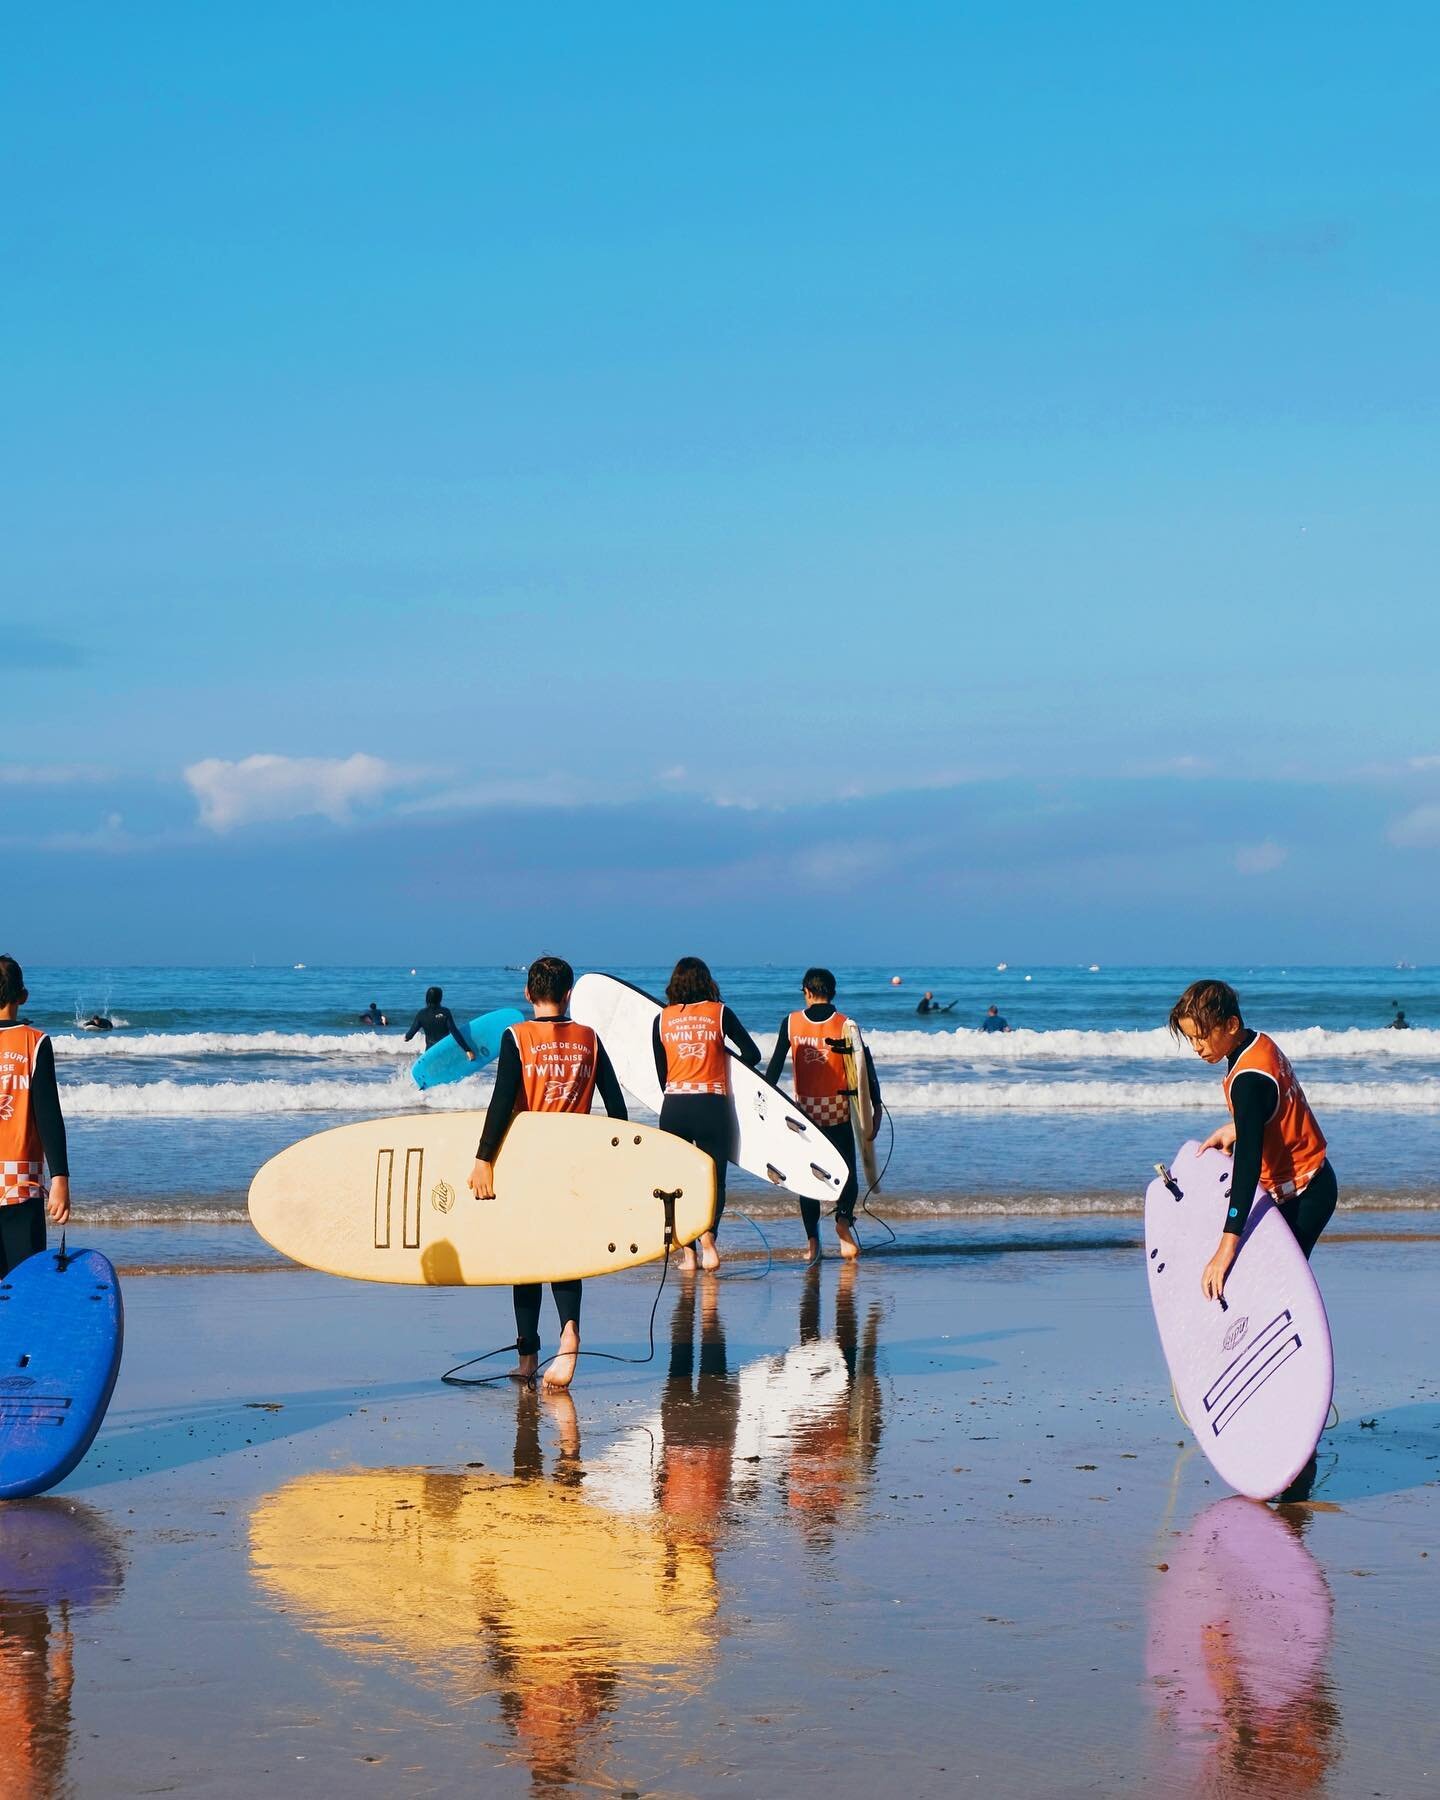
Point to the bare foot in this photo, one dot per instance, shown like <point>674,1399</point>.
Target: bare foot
<point>709,1255</point>
<point>562,1371</point>
<point>845,1231</point>
<point>687,1260</point>
<point>525,1368</point>
<point>812,1252</point>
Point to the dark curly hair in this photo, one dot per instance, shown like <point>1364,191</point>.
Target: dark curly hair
<point>691,981</point>
<point>1206,1004</point>
<point>12,983</point>
<point>550,979</point>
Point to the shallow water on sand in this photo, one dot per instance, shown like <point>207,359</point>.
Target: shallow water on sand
<point>922,1526</point>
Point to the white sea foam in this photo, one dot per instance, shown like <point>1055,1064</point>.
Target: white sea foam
<point>181,1099</point>
<point>182,1045</point>
<point>1307,1044</point>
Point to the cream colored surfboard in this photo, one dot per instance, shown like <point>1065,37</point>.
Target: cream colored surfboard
<point>388,1200</point>
<point>862,1110</point>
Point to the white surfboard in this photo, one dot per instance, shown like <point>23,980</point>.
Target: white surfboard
<point>1254,1372</point>
<point>575,1194</point>
<point>773,1139</point>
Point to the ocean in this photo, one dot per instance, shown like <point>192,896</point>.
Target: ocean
<point>1044,1135</point>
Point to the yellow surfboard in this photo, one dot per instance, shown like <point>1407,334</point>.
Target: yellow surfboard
<point>575,1194</point>
<point>481,1583</point>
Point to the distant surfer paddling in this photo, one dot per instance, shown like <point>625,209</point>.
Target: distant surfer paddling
<point>822,1092</point>
<point>693,1067</point>
<point>1273,1135</point>
<point>436,1022</point>
<point>929,1004</point>
<point>32,1128</point>
<point>547,1064</point>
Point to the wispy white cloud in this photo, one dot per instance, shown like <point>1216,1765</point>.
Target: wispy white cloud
<point>110,835</point>
<point>52,774</point>
<point>267,790</point>
<point>507,791</point>
<point>1419,829</point>
<point>1260,859</point>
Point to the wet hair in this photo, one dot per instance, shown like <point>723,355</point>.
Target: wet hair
<point>691,981</point>
<point>433,996</point>
<point>819,981</point>
<point>1207,1005</point>
<point>12,983</point>
<point>550,979</point>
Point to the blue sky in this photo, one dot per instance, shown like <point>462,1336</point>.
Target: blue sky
<point>936,482</point>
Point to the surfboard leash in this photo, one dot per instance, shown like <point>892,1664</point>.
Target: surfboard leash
<point>453,1377</point>
<point>865,1203</point>
<point>752,1274</point>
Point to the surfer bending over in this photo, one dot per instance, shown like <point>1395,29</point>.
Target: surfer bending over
<point>548,1064</point>
<point>437,1022</point>
<point>32,1128</point>
<point>374,1016</point>
<point>693,1066</point>
<point>822,1092</point>
<point>1272,1135</point>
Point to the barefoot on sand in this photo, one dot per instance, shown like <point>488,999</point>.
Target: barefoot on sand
<point>562,1371</point>
<point>709,1255</point>
<point>525,1368</point>
<point>845,1231</point>
<point>812,1252</point>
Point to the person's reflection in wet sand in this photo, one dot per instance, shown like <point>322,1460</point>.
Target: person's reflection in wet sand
<point>54,1557</point>
<point>833,1451</point>
<point>699,1411</point>
<point>554,1705</point>
<point>1241,1628</point>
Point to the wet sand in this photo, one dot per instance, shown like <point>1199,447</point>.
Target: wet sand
<point>922,1527</point>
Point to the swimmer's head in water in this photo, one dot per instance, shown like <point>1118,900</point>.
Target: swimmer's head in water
<point>12,983</point>
<point>820,983</point>
<point>690,981</point>
<point>433,996</point>
<point>549,980</point>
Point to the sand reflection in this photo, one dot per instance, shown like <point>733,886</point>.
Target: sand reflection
<point>1238,1657</point>
<point>525,1588</point>
<point>57,1558</point>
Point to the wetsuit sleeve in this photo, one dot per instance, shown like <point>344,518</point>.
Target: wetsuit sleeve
<point>455,1030</point>
<point>502,1101</point>
<point>414,1027</point>
<point>45,1103</point>
<point>780,1052</point>
<point>657,1050</point>
<point>608,1084</point>
<point>741,1039</point>
<point>1253,1096</point>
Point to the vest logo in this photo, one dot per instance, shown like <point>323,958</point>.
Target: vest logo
<point>15,1384</point>
<point>7,1107</point>
<point>1235,1333</point>
<point>442,1196</point>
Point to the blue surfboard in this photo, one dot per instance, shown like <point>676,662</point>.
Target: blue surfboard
<point>62,1326</point>
<point>446,1061</point>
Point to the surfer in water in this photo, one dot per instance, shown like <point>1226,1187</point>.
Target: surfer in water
<point>992,1020</point>
<point>437,1022</point>
<point>374,1016</point>
<point>929,1004</point>
<point>32,1128</point>
<point>548,1064</point>
<point>822,1092</point>
<point>1273,1135</point>
<point>693,1067</point>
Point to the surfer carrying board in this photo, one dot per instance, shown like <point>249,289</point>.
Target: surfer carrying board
<point>693,1068</point>
<point>1273,1135</point>
<point>547,1064</point>
<point>32,1128</point>
<point>822,1092</point>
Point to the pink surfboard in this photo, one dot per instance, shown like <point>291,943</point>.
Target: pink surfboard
<point>1241,1622</point>
<point>1254,1372</point>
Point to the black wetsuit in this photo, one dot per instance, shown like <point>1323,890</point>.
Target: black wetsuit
<point>508,1092</point>
<point>704,1119</point>
<point>1253,1099</point>
<point>22,1227</point>
<point>437,1023</point>
<point>842,1136</point>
